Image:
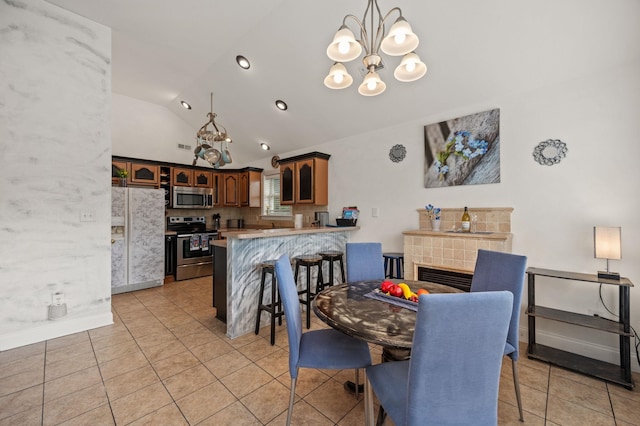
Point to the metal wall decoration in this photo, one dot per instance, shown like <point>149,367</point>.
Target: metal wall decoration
<point>463,151</point>
<point>397,153</point>
<point>550,152</point>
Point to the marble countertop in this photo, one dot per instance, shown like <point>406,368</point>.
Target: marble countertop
<point>280,232</point>
<point>450,234</point>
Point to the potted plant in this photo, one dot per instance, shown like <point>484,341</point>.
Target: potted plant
<point>122,174</point>
<point>434,215</point>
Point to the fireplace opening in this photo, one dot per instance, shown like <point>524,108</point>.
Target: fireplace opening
<point>456,279</point>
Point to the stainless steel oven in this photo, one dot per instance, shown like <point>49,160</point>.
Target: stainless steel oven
<point>195,255</point>
<point>194,250</point>
<point>192,198</point>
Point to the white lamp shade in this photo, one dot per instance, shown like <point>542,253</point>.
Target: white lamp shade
<point>344,47</point>
<point>411,68</point>
<point>338,77</point>
<point>400,40</point>
<point>372,85</point>
<point>607,242</point>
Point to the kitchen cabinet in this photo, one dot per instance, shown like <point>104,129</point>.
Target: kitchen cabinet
<point>181,176</point>
<point>305,179</point>
<point>202,179</point>
<point>144,174</point>
<point>250,188</point>
<point>165,183</point>
<point>230,195</point>
<point>116,166</point>
<point>620,373</point>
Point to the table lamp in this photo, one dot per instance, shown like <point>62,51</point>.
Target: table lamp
<point>607,245</point>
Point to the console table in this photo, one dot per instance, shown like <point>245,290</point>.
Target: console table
<point>619,374</point>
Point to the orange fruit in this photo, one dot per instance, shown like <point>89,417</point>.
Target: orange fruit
<point>422,291</point>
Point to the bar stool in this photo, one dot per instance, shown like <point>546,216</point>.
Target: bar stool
<point>308,261</point>
<point>389,260</point>
<point>332,256</point>
<point>275,307</point>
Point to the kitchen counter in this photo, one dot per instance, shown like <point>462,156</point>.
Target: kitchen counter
<point>270,232</point>
<point>455,234</point>
<point>246,249</point>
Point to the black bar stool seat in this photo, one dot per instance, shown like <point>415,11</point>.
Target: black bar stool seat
<point>391,260</point>
<point>308,261</point>
<point>332,256</point>
<point>274,308</point>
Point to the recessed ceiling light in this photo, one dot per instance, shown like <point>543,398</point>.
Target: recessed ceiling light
<point>265,146</point>
<point>185,105</point>
<point>282,105</point>
<point>243,62</point>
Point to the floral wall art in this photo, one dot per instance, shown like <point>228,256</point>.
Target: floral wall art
<point>463,151</point>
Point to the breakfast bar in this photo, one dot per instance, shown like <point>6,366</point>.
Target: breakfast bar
<point>236,281</point>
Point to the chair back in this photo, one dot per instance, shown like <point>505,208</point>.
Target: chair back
<point>454,371</point>
<point>364,262</point>
<point>289,297</point>
<point>496,271</point>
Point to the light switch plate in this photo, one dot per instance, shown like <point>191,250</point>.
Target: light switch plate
<point>375,212</point>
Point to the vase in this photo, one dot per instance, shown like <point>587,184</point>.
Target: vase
<point>435,224</point>
<point>123,182</point>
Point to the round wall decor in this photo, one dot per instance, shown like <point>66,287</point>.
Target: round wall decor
<point>550,152</point>
<point>397,153</point>
<point>275,161</point>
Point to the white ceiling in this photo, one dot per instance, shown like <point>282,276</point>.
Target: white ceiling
<point>167,50</point>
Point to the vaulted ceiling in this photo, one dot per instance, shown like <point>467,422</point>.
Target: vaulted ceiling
<point>165,51</point>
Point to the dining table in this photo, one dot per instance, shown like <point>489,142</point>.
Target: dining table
<point>357,309</point>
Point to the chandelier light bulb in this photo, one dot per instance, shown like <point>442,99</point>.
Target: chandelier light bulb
<point>400,40</point>
<point>372,85</point>
<point>411,68</point>
<point>338,77</point>
<point>343,47</point>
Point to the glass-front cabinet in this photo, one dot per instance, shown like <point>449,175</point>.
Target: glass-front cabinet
<point>305,179</point>
<point>145,174</point>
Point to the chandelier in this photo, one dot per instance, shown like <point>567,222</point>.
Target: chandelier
<point>207,138</point>
<point>400,40</point>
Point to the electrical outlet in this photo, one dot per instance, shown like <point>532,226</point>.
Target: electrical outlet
<point>375,212</point>
<point>87,215</point>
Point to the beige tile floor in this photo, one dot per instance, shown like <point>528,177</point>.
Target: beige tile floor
<point>166,361</point>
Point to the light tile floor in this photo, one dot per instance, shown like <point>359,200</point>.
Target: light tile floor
<point>166,361</point>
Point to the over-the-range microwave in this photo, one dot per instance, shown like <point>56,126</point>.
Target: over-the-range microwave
<point>192,198</point>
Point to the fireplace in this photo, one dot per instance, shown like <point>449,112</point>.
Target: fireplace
<point>457,279</point>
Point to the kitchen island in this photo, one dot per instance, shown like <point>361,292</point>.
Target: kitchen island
<point>236,289</point>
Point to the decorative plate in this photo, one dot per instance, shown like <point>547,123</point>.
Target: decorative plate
<point>275,161</point>
<point>397,153</point>
<point>550,152</point>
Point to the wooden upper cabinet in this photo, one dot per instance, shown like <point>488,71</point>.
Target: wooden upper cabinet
<point>181,176</point>
<point>305,181</point>
<point>287,184</point>
<point>230,193</point>
<point>116,166</point>
<point>202,179</point>
<point>250,189</point>
<point>144,174</point>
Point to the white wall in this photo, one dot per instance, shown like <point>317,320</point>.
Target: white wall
<point>55,89</point>
<point>144,130</point>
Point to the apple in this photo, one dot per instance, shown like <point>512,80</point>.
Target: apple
<point>386,286</point>
<point>396,291</point>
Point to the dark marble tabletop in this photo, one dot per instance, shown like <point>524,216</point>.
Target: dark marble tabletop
<point>345,308</point>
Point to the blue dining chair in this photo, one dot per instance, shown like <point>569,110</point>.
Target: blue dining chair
<point>323,349</point>
<point>496,271</point>
<point>364,262</point>
<point>453,375</point>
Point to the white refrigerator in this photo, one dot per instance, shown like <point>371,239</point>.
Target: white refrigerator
<point>137,239</point>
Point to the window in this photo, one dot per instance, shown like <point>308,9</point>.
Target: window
<point>271,196</point>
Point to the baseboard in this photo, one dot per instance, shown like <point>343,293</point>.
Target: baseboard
<point>53,329</point>
<point>588,349</point>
